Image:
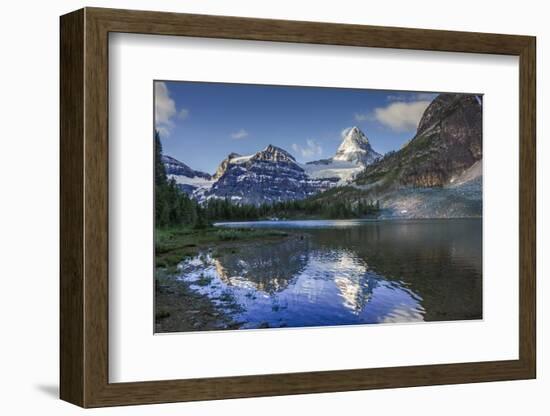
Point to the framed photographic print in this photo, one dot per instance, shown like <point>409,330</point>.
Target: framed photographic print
<point>260,207</point>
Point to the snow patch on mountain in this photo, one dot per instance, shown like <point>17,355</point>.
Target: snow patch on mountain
<point>342,171</point>
<point>195,181</point>
<point>473,172</point>
<point>175,167</point>
<point>186,178</point>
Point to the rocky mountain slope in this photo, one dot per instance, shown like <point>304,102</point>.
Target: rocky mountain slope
<point>439,172</point>
<point>270,175</point>
<point>230,159</point>
<point>447,142</point>
<point>186,178</point>
<point>175,167</point>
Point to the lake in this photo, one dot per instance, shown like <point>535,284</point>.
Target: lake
<point>346,272</point>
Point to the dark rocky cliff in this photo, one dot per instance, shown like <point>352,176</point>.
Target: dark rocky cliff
<point>447,142</point>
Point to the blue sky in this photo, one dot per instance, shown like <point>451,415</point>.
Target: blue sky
<point>201,123</point>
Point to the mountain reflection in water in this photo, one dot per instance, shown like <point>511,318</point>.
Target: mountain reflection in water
<point>354,272</point>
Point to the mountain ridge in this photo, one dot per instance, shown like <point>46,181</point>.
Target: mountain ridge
<point>273,174</point>
<point>447,142</point>
<point>173,166</point>
<point>437,171</point>
<point>269,175</point>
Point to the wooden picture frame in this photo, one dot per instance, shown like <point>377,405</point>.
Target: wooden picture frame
<point>84,207</point>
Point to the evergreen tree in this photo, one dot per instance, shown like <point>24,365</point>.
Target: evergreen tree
<point>172,206</point>
<point>160,173</point>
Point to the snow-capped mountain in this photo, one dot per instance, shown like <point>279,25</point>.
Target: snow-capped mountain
<point>356,148</point>
<point>352,156</point>
<point>273,174</point>
<point>270,175</point>
<point>186,178</point>
<point>436,174</point>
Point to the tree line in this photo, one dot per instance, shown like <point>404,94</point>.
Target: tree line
<point>173,207</point>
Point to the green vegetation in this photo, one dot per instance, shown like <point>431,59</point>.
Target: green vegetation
<point>388,171</point>
<point>161,314</point>
<point>172,206</point>
<point>342,202</point>
<point>174,244</point>
<point>228,235</point>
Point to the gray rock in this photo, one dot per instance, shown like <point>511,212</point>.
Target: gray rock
<point>271,175</point>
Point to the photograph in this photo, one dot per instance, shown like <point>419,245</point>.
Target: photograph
<point>295,206</point>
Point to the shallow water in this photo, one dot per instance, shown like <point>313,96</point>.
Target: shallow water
<point>347,272</point>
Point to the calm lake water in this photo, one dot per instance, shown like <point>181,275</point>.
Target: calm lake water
<point>347,272</point>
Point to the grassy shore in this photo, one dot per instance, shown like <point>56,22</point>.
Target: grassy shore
<point>173,245</point>
<point>179,308</point>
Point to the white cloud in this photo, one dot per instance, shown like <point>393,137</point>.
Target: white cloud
<point>401,116</point>
<point>241,134</point>
<point>165,110</point>
<point>403,112</point>
<point>311,149</point>
<point>165,107</point>
<point>398,115</point>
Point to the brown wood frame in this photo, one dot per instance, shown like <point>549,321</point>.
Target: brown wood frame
<point>84,208</point>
